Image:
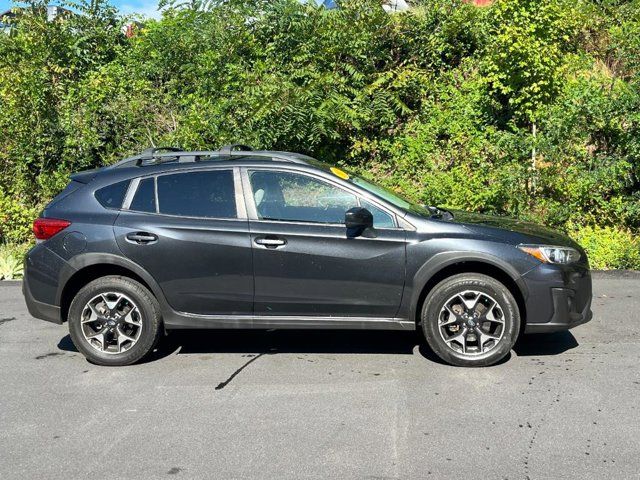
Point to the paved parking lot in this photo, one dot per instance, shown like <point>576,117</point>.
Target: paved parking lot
<point>279,404</point>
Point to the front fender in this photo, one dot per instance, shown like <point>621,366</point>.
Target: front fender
<point>442,260</point>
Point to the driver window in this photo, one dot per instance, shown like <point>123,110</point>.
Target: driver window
<point>290,196</point>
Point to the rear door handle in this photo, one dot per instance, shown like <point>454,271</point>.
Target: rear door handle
<point>142,238</point>
<point>270,242</point>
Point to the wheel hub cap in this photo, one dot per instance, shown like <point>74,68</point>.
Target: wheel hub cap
<point>111,323</point>
<point>471,323</point>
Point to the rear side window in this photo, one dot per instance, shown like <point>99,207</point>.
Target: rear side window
<point>197,194</point>
<point>145,198</point>
<point>112,196</point>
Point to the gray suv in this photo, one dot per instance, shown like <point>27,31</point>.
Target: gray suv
<point>236,238</point>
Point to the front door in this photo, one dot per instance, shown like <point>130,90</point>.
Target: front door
<point>304,263</point>
<point>194,241</point>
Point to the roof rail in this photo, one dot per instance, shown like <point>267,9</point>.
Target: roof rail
<point>154,155</point>
<point>158,155</point>
<point>227,149</point>
<point>150,152</point>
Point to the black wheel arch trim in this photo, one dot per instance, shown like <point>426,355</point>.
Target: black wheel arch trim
<point>82,261</point>
<point>425,273</point>
<point>442,260</point>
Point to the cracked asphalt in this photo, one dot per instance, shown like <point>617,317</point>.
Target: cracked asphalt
<point>305,404</point>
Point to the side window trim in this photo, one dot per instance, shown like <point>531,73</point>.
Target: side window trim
<point>128,198</point>
<point>253,212</point>
<point>249,201</point>
<point>238,190</point>
<point>241,213</point>
<point>155,192</point>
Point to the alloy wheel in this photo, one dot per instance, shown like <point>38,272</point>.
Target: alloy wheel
<point>111,323</point>
<point>471,323</point>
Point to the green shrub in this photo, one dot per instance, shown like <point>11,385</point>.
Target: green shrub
<point>11,261</point>
<point>609,247</point>
<point>439,102</point>
<point>16,218</point>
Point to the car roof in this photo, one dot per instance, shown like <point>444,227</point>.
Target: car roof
<point>156,155</point>
<point>158,160</point>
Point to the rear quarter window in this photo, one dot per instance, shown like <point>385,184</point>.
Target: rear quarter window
<point>112,195</point>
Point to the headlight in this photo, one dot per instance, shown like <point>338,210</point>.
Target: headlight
<point>552,254</point>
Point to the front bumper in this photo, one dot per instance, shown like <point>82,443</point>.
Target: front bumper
<point>564,314</point>
<point>559,298</point>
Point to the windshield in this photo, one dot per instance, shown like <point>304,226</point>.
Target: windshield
<point>391,197</point>
<point>382,192</point>
<point>377,190</point>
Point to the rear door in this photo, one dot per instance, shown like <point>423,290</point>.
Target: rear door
<point>304,262</point>
<point>189,230</point>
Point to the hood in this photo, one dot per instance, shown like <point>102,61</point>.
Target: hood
<point>510,229</point>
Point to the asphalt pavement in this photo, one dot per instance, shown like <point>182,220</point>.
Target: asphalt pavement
<point>318,405</point>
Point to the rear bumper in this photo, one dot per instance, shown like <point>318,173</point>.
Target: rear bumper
<point>560,298</point>
<point>43,311</point>
<point>42,270</point>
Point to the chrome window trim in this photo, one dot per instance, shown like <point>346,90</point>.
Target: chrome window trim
<point>238,191</point>
<point>318,224</point>
<point>249,201</point>
<point>155,191</point>
<point>240,204</point>
<point>190,217</point>
<point>131,192</point>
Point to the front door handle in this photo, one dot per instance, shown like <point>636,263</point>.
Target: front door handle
<point>270,241</point>
<point>142,238</point>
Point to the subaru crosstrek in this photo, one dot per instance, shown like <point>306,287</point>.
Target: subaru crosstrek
<point>236,238</point>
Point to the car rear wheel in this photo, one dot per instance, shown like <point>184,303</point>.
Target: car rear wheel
<point>114,321</point>
<point>470,320</point>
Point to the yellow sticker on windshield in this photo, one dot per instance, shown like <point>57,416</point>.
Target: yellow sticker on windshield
<point>339,173</point>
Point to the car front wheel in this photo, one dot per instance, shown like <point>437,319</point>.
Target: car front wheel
<point>470,320</point>
<point>114,321</point>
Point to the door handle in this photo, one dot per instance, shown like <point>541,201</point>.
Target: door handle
<point>141,238</point>
<point>270,242</point>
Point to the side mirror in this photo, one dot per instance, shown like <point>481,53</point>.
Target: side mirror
<point>357,220</point>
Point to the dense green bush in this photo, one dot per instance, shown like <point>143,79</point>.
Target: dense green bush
<point>527,108</point>
<point>11,256</point>
<point>16,217</point>
<point>610,247</point>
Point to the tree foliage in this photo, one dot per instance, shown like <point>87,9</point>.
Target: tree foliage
<point>437,102</point>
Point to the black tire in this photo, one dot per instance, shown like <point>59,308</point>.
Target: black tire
<point>148,307</point>
<point>449,288</point>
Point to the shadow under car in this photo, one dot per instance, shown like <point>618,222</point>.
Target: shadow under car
<point>326,342</point>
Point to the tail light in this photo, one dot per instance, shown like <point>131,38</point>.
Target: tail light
<point>45,228</point>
